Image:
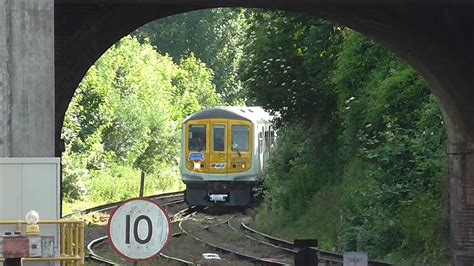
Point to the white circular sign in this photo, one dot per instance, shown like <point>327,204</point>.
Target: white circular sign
<point>139,229</point>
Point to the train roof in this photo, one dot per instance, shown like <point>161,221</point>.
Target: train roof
<point>254,114</point>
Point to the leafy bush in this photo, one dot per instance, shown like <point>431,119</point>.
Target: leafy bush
<point>359,161</point>
<point>125,119</point>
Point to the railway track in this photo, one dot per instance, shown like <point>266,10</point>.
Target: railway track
<point>292,250</point>
<point>330,258</point>
<point>258,248</point>
<point>235,244</point>
<point>92,256</point>
<point>109,206</point>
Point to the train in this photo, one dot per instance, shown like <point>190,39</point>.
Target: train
<point>223,154</point>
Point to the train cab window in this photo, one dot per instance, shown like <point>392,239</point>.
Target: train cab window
<point>197,138</point>
<point>240,138</point>
<point>218,133</point>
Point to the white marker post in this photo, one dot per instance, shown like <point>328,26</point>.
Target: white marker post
<point>139,229</point>
<point>355,259</point>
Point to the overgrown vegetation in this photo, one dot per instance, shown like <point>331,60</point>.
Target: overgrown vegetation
<point>359,162</point>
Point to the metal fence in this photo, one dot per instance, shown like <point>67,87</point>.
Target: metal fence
<point>71,243</point>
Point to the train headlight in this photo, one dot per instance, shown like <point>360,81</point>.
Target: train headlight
<point>197,165</point>
<point>243,165</point>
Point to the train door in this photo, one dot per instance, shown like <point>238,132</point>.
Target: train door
<point>266,154</point>
<point>240,146</point>
<point>218,153</point>
<point>261,146</point>
<point>197,146</point>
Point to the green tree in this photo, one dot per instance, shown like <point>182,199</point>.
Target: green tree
<point>124,119</point>
<point>393,125</point>
<point>358,126</point>
<point>215,36</point>
<point>286,71</point>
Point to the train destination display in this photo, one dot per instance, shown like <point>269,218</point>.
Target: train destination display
<point>139,229</point>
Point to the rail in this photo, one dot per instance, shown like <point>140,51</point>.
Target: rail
<point>112,205</point>
<point>324,255</point>
<point>93,256</point>
<point>247,257</point>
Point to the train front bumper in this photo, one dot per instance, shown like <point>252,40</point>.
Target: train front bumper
<point>227,193</point>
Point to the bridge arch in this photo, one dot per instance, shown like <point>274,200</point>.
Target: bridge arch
<point>435,39</point>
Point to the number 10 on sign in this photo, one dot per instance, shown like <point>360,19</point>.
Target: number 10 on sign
<point>135,229</point>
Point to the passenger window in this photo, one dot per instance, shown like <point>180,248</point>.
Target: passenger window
<point>267,140</point>
<point>272,137</point>
<point>197,138</point>
<point>219,137</point>
<point>240,138</point>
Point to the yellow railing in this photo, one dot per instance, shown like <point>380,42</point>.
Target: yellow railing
<point>71,234</point>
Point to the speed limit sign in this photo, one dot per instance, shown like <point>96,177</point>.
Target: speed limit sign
<point>138,229</point>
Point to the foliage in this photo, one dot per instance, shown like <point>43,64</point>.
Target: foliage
<point>215,36</point>
<point>395,128</point>
<point>287,74</point>
<point>284,71</point>
<point>359,128</point>
<point>125,119</point>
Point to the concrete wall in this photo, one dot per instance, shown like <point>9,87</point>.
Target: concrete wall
<point>26,78</point>
<point>27,112</point>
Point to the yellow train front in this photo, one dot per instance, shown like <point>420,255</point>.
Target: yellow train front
<point>224,151</point>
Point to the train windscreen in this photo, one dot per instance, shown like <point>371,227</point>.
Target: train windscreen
<point>197,138</point>
<point>240,138</point>
<point>219,137</point>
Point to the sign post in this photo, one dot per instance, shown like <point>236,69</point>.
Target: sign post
<point>355,259</point>
<point>139,229</point>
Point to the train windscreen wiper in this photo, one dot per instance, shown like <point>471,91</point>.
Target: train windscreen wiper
<point>235,146</point>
